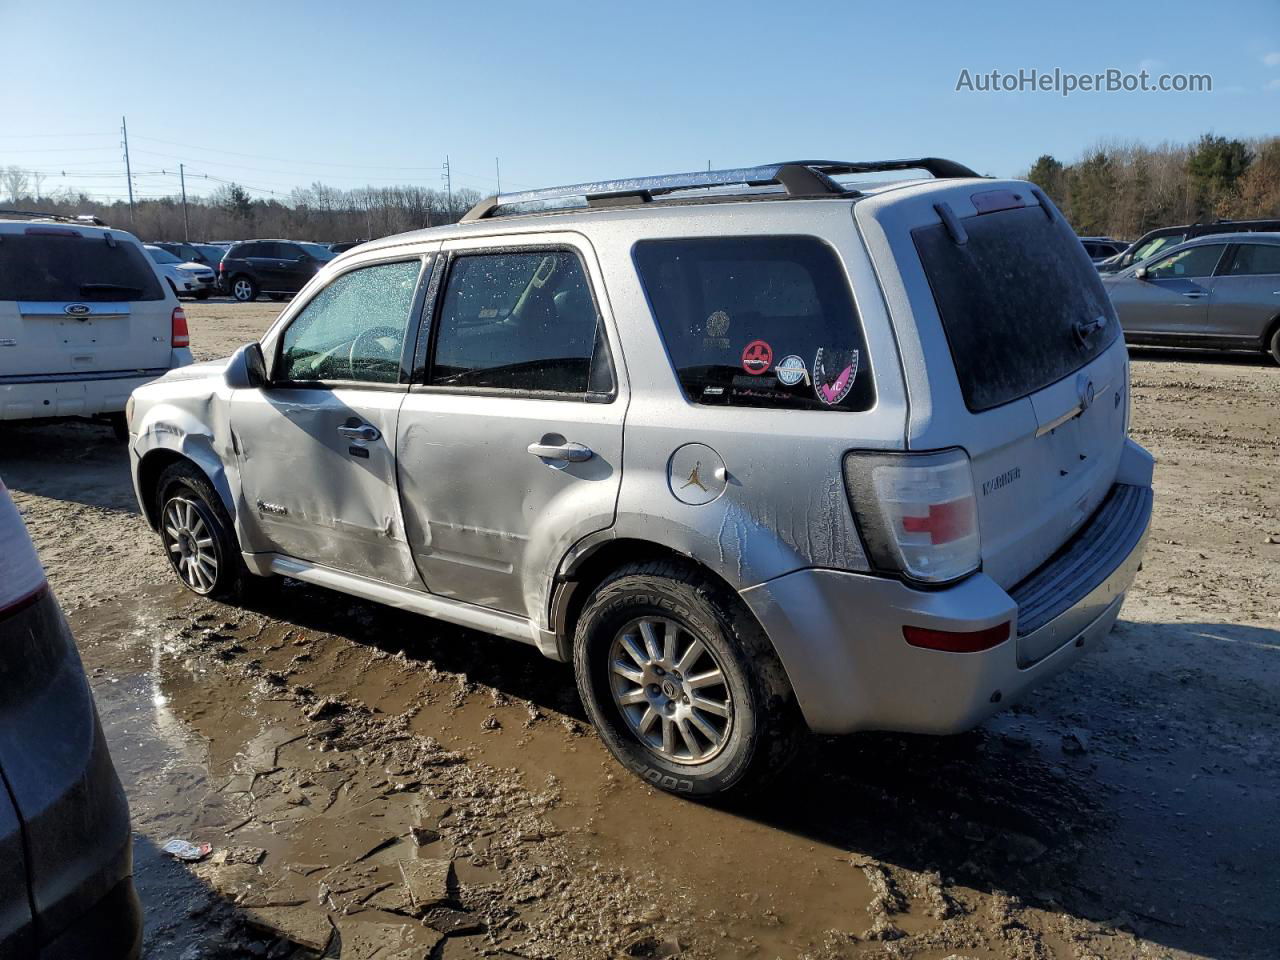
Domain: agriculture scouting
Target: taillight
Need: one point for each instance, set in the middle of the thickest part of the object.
(21, 576)
(221, 266)
(181, 337)
(917, 512)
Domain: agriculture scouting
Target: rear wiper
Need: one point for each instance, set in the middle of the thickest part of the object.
(122, 287)
(1084, 329)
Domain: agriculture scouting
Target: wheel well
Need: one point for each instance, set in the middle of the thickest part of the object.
(149, 470)
(571, 595)
(1272, 327)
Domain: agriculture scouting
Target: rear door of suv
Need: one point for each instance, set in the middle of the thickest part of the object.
(78, 300)
(1012, 351)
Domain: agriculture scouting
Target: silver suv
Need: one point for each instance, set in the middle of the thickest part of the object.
(755, 450)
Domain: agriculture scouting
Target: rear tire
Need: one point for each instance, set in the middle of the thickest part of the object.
(1274, 348)
(695, 721)
(244, 289)
(198, 536)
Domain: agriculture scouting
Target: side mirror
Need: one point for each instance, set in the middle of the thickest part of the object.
(246, 370)
(1140, 273)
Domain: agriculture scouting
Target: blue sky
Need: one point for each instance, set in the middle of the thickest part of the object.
(279, 94)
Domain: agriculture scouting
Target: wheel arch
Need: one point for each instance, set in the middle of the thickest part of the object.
(586, 571)
(154, 463)
(1269, 334)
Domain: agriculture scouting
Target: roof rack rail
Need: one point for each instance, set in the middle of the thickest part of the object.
(83, 219)
(798, 178)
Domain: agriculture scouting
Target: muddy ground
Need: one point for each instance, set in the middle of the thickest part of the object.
(327, 748)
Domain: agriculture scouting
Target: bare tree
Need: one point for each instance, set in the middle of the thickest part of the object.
(16, 183)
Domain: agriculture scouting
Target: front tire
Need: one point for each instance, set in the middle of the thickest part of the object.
(198, 535)
(681, 682)
(244, 289)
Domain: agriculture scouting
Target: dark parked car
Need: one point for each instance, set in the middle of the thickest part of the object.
(274, 267)
(345, 245)
(1100, 248)
(205, 253)
(66, 855)
(1220, 292)
(1157, 241)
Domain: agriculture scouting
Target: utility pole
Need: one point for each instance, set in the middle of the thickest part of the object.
(498, 173)
(128, 174)
(186, 226)
(448, 185)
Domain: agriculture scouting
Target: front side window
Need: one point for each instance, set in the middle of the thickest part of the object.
(758, 322)
(354, 328)
(1191, 262)
(1255, 259)
(520, 321)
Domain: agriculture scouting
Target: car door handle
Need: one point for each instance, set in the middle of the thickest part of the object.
(365, 431)
(1193, 294)
(573, 452)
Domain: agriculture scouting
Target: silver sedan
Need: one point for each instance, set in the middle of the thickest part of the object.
(1219, 292)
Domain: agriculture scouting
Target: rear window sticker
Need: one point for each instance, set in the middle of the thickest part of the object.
(833, 374)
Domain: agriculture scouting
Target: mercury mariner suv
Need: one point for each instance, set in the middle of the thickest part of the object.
(755, 450)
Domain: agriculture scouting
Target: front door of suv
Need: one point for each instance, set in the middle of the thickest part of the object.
(317, 444)
(510, 442)
(1172, 299)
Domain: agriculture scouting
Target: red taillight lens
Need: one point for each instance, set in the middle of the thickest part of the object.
(181, 336)
(221, 266)
(952, 641)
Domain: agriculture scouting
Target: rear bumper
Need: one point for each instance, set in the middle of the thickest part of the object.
(70, 804)
(840, 638)
(36, 396)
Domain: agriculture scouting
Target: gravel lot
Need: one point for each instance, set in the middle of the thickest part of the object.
(330, 749)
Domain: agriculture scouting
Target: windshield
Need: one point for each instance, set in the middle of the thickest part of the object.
(211, 253)
(1155, 245)
(162, 256)
(318, 250)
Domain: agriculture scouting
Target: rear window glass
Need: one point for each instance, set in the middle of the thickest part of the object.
(758, 322)
(1020, 306)
(59, 266)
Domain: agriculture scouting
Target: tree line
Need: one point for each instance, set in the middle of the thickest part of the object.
(318, 212)
(1116, 189)
(1125, 189)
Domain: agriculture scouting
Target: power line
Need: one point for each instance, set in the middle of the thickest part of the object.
(258, 156)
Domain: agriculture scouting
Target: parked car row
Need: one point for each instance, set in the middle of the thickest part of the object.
(244, 269)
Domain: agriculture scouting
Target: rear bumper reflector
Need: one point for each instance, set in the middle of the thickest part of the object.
(951, 641)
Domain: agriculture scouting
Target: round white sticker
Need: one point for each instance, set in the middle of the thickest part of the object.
(791, 370)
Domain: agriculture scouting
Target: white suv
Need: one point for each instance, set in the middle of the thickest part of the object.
(84, 319)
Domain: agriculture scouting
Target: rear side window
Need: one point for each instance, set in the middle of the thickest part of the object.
(523, 322)
(59, 263)
(758, 322)
(1253, 259)
(1020, 306)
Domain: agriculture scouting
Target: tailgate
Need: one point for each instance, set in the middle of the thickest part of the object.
(79, 299)
(1018, 357)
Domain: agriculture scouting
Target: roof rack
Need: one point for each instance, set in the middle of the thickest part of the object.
(83, 219)
(798, 178)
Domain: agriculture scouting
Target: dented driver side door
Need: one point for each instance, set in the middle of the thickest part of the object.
(316, 445)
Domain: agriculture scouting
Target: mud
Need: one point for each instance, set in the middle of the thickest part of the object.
(397, 787)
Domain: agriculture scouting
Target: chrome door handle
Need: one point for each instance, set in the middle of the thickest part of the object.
(366, 431)
(1193, 294)
(573, 452)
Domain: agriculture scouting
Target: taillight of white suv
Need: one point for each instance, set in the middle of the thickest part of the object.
(180, 337)
(917, 512)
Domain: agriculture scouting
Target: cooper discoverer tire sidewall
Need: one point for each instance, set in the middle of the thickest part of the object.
(762, 729)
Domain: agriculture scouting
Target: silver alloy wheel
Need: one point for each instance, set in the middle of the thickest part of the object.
(190, 544)
(670, 690)
(242, 289)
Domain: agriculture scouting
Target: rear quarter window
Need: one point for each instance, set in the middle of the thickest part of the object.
(758, 322)
(59, 264)
(1018, 303)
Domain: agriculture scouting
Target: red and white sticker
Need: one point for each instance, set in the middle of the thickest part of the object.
(757, 357)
